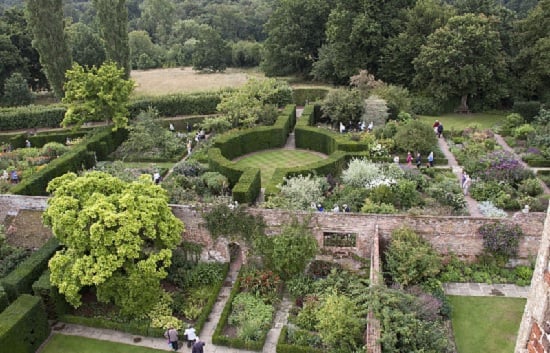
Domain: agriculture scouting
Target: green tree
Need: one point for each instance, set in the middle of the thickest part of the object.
(157, 18)
(531, 65)
(16, 91)
(97, 94)
(410, 259)
(10, 60)
(113, 22)
(343, 106)
(144, 54)
(462, 59)
(211, 52)
(85, 44)
(45, 19)
(256, 99)
(288, 253)
(295, 32)
(400, 51)
(415, 136)
(246, 54)
(117, 237)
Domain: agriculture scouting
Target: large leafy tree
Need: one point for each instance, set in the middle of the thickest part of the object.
(117, 237)
(45, 19)
(97, 94)
(399, 52)
(211, 52)
(113, 22)
(295, 34)
(157, 18)
(531, 65)
(462, 59)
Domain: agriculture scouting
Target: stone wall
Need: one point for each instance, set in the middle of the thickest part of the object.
(534, 331)
(446, 234)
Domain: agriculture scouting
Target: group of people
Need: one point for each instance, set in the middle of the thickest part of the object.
(335, 208)
(438, 128)
(418, 160)
(190, 337)
(12, 176)
(362, 127)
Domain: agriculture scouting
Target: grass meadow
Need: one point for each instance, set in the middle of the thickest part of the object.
(486, 324)
(270, 160)
(72, 344)
(454, 121)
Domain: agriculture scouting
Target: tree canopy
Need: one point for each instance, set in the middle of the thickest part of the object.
(117, 237)
(97, 94)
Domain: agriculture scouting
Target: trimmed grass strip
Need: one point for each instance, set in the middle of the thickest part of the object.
(486, 324)
(73, 344)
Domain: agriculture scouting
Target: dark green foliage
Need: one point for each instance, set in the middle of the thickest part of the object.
(10, 256)
(54, 302)
(41, 139)
(20, 280)
(23, 325)
(527, 110)
(283, 347)
(16, 91)
(233, 223)
(4, 302)
(415, 136)
(247, 189)
(83, 156)
(501, 240)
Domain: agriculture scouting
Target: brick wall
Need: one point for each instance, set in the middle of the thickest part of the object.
(534, 331)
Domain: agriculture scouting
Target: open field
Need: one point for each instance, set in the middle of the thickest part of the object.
(270, 160)
(185, 80)
(73, 344)
(486, 324)
(460, 121)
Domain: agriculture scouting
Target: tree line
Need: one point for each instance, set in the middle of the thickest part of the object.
(482, 53)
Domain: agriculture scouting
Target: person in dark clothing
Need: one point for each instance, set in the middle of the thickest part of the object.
(418, 160)
(439, 130)
(198, 346)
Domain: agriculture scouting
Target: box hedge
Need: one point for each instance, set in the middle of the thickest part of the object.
(54, 302)
(23, 325)
(246, 191)
(21, 279)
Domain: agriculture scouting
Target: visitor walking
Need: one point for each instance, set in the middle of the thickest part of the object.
(466, 185)
(418, 160)
(190, 336)
(409, 159)
(189, 147)
(439, 130)
(431, 159)
(198, 346)
(172, 335)
(172, 128)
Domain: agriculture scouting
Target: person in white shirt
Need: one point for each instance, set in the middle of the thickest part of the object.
(190, 335)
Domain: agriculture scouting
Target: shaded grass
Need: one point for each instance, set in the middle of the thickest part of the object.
(72, 344)
(270, 160)
(460, 121)
(486, 324)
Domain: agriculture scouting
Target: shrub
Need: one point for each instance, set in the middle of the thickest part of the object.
(500, 239)
(501, 166)
(530, 187)
(415, 136)
(54, 149)
(251, 316)
(511, 122)
(16, 91)
(378, 208)
(488, 209)
(299, 192)
(410, 259)
(528, 110)
(524, 131)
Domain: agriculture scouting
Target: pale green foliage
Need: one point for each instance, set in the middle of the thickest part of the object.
(298, 193)
(118, 237)
(244, 106)
(343, 106)
(340, 325)
(217, 124)
(96, 94)
(364, 173)
(251, 316)
(410, 259)
(288, 253)
(161, 314)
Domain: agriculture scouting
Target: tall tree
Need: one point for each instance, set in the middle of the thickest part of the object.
(113, 21)
(399, 52)
(117, 237)
(45, 19)
(86, 46)
(531, 65)
(97, 94)
(157, 18)
(211, 53)
(10, 60)
(296, 31)
(462, 59)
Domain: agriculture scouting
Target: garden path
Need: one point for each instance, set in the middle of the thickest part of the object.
(509, 149)
(457, 170)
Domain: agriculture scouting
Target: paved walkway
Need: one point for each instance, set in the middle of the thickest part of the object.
(486, 290)
(473, 209)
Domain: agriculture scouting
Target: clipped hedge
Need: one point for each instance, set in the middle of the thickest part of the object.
(537, 163)
(248, 187)
(31, 116)
(4, 302)
(301, 96)
(283, 347)
(202, 103)
(20, 280)
(54, 302)
(205, 313)
(23, 325)
(218, 163)
(83, 156)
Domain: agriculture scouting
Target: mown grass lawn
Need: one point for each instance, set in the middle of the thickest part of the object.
(461, 121)
(270, 160)
(73, 344)
(486, 324)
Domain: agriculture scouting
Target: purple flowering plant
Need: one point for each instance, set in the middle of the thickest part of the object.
(501, 166)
